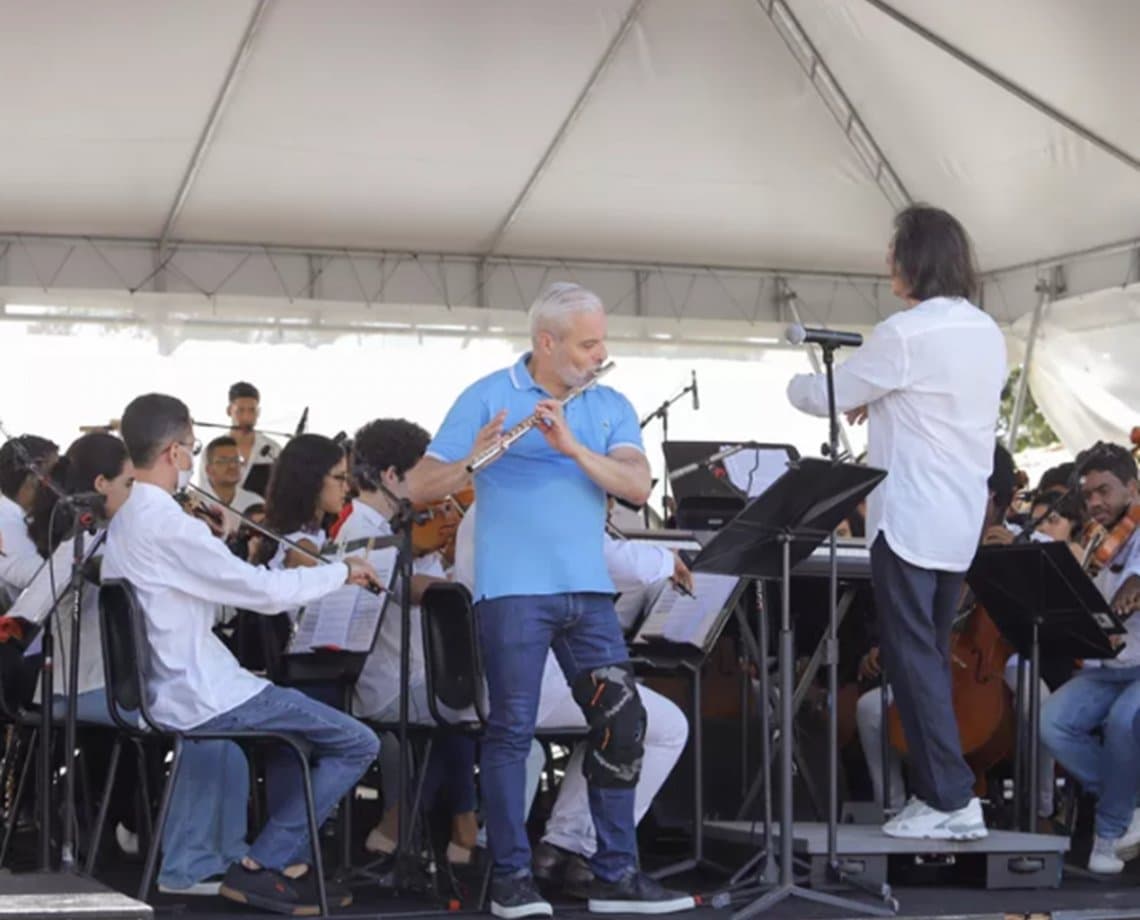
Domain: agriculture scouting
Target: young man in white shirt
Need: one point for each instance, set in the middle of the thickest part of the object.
(929, 380)
(181, 575)
(20, 562)
(256, 449)
(222, 466)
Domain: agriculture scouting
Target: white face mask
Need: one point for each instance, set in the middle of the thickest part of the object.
(184, 477)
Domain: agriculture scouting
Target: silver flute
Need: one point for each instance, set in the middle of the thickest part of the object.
(509, 437)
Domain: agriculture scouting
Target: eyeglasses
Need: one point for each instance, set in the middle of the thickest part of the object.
(195, 446)
(226, 461)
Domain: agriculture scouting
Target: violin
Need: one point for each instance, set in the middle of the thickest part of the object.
(1102, 544)
(195, 507)
(438, 523)
(983, 704)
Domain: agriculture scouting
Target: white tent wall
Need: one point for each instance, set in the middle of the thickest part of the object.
(1083, 370)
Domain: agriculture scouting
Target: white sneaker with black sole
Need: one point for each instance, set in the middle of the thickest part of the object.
(919, 821)
(513, 897)
(636, 893)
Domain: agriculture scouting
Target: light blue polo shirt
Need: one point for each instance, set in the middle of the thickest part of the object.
(541, 519)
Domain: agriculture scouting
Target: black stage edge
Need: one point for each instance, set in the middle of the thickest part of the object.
(62, 896)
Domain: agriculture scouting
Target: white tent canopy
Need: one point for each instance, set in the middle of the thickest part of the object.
(364, 163)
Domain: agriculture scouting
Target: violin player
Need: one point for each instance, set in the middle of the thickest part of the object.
(181, 575)
(383, 452)
(1106, 696)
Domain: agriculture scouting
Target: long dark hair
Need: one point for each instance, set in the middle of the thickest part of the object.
(88, 458)
(296, 482)
(932, 255)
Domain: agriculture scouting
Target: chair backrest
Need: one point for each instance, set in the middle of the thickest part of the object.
(453, 662)
(126, 653)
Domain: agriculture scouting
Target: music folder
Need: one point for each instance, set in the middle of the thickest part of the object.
(694, 620)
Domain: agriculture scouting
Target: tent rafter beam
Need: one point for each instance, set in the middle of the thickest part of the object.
(837, 102)
(1014, 89)
(237, 63)
(564, 128)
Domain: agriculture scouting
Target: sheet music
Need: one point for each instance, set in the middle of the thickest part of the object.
(676, 617)
(752, 471)
(347, 618)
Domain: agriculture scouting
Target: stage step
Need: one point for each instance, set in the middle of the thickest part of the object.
(1013, 859)
(61, 896)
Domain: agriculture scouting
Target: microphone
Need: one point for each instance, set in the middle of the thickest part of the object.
(796, 334)
(709, 460)
(693, 387)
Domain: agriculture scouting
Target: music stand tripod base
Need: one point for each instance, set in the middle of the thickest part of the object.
(775, 531)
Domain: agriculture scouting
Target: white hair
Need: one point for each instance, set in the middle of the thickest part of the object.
(559, 301)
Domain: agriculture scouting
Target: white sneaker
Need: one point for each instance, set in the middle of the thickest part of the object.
(128, 841)
(913, 805)
(1128, 846)
(1103, 859)
(206, 887)
(378, 843)
(925, 823)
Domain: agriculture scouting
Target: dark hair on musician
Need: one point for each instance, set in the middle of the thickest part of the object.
(1069, 505)
(1108, 458)
(89, 457)
(291, 501)
(1056, 479)
(224, 441)
(150, 423)
(243, 390)
(13, 466)
(1003, 480)
(384, 443)
(931, 254)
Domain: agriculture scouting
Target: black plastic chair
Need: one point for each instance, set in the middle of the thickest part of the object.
(126, 662)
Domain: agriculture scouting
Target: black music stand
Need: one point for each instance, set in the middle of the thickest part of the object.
(1041, 599)
(775, 531)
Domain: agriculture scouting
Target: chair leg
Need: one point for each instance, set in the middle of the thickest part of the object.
(160, 822)
(314, 828)
(104, 805)
(146, 824)
(21, 785)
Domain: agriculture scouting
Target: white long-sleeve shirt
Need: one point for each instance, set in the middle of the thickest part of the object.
(20, 562)
(182, 574)
(36, 601)
(379, 683)
(931, 378)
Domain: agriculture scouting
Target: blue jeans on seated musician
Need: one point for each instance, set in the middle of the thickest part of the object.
(516, 633)
(340, 751)
(1109, 699)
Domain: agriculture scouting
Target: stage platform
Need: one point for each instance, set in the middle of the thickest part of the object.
(1007, 859)
(1074, 900)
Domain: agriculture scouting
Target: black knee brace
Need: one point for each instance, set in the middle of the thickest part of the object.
(613, 710)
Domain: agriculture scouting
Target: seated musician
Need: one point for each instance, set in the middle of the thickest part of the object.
(1106, 696)
(181, 574)
(223, 477)
(1002, 485)
(383, 451)
(20, 561)
(569, 840)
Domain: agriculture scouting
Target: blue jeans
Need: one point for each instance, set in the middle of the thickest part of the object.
(1109, 699)
(516, 633)
(340, 751)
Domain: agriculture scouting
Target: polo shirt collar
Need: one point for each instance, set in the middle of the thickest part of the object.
(520, 375)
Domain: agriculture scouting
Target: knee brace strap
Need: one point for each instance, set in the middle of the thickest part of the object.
(616, 717)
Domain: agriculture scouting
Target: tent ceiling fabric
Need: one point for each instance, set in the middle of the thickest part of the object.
(414, 125)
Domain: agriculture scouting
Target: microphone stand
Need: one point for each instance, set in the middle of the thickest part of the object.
(83, 517)
(831, 659)
(662, 412)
